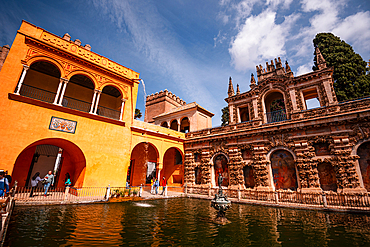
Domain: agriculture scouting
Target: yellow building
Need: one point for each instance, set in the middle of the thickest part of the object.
(68, 109)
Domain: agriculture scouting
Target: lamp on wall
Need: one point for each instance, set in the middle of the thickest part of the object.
(36, 157)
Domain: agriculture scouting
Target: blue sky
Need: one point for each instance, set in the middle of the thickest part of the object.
(192, 47)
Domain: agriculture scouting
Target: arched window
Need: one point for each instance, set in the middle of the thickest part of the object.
(174, 125)
(283, 170)
(275, 107)
(164, 124)
(41, 82)
(110, 103)
(185, 125)
(79, 93)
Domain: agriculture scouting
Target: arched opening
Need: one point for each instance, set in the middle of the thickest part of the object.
(185, 125)
(79, 93)
(198, 175)
(42, 156)
(328, 180)
(174, 125)
(283, 170)
(244, 114)
(364, 162)
(143, 165)
(275, 107)
(248, 177)
(41, 82)
(164, 124)
(110, 103)
(172, 167)
(221, 167)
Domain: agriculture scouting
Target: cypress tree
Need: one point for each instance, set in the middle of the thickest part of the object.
(350, 78)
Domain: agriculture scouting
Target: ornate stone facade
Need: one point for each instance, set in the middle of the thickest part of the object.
(288, 145)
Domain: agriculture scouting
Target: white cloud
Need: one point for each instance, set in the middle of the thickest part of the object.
(259, 39)
(304, 69)
(355, 30)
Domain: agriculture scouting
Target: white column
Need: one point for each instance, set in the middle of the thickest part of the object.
(93, 102)
(57, 161)
(63, 91)
(24, 72)
(61, 80)
(97, 102)
(122, 108)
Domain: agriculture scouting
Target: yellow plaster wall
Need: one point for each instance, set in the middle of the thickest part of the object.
(106, 146)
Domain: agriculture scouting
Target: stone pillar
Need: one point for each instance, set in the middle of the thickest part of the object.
(255, 107)
(61, 81)
(93, 102)
(328, 91)
(231, 114)
(97, 102)
(122, 108)
(24, 72)
(63, 91)
(293, 99)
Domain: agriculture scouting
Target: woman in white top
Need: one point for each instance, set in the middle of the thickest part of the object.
(34, 181)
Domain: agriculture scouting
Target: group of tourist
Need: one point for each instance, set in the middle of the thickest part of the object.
(47, 181)
(5, 180)
(154, 184)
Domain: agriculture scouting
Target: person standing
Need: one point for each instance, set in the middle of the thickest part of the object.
(34, 182)
(152, 186)
(48, 180)
(4, 184)
(67, 181)
(164, 184)
(156, 185)
(7, 176)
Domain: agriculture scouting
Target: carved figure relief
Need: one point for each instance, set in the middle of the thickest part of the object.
(221, 167)
(283, 169)
(364, 152)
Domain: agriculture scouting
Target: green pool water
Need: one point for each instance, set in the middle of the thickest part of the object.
(182, 222)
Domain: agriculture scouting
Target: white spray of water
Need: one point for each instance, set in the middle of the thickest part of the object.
(144, 91)
(143, 205)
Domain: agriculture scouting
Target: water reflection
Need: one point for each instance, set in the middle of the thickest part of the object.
(182, 222)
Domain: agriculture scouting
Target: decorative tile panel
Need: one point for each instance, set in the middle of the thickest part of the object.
(63, 125)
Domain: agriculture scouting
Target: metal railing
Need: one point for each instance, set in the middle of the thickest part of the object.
(68, 102)
(326, 200)
(37, 93)
(76, 104)
(276, 116)
(28, 194)
(109, 113)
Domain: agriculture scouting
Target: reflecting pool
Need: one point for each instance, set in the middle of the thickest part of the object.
(182, 222)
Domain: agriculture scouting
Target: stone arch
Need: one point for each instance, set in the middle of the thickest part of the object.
(274, 105)
(173, 169)
(72, 161)
(143, 164)
(283, 169)
(363, 151)
(220, 163)
(174, 125)
(84, 73)
(164, 124)
(79, 92)
(185, 125)
(41, 58)
(41, 81)
(110, 102)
